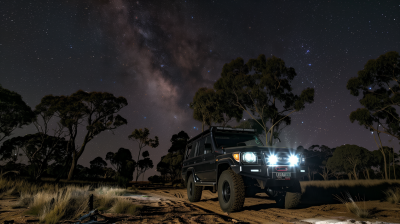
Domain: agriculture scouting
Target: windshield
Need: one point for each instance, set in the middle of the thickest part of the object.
(236, 139)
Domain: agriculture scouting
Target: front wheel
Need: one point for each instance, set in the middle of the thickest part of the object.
(193, 192)
(293, 196)
(231, 191)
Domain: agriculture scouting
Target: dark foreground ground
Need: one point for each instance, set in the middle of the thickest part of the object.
(172, 206)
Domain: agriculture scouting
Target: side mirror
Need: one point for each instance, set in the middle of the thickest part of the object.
(220, 151)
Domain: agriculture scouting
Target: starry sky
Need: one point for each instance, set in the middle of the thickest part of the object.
(157, 54)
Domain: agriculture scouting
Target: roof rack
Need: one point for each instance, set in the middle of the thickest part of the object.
(235, 129)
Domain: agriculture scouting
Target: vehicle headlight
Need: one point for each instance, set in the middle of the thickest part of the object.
(249, 157)
(294, 160)
(272, 159)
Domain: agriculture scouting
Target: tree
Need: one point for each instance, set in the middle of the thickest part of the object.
(142, 138)
(145, 163)
(204, 107)
(252, 124)
(96, 110)
(379, 83)
(97, 166)
(39, 150)
(14, 113)
(321, 155)
(124, 164)
(226, 111)
(349, 158)
(263, 91)
(171, 164)
(179, 142)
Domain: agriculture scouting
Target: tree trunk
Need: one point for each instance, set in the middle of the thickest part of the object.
(73, 165)
(349, 174)
(394, 167)
(384, 162)
(355, 173)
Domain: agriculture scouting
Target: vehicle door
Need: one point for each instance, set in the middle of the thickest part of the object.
(195, 160)
(209, 160)
(200, 163)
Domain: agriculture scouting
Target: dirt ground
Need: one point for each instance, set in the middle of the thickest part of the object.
(261, 209)
(172, 206)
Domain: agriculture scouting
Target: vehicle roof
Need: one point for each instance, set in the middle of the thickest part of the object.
(215, 128)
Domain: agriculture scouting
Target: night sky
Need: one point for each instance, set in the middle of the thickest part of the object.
(157, 54)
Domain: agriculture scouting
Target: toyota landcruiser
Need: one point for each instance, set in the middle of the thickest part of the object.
(235, 163)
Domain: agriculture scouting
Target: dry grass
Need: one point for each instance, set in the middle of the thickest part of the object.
(125, 206)
(53, 203)
(344, 183)
(353, 207)
(393, 195)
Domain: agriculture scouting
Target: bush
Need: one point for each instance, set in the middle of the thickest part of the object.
(122, 181)
(155, 179)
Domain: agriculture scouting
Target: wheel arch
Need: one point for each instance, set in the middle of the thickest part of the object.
(221, 167)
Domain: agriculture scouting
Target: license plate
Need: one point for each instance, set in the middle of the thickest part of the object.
(283, 174)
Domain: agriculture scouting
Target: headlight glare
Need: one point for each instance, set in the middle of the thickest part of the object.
(272, 159)
(249, 157)
(293, 159)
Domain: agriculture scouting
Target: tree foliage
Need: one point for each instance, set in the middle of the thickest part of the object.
(96, 110)
(170, 165)
(350, 159)
(124, 164)
(380, 87)
(262, 88)
(179, 142)
(142, 138)
(14, 112)
(40, 151)
(97, 166)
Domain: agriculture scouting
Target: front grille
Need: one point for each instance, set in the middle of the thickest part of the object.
(283, 159)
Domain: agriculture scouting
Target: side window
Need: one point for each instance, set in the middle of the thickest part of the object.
(189, 152)
(196, 149)
(201, 147)
(207, 145)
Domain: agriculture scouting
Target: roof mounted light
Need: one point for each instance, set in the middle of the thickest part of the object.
(235, 129)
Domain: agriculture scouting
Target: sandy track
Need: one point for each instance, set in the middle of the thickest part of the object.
(261, 209)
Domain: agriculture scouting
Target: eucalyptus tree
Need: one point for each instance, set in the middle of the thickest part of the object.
(40, 151)
(14, 112)
(142, 138)
(96, 111)
(204, 107)
(124, 165)
(262, 87)
(350, 159)
(144, 164)
(379, 83)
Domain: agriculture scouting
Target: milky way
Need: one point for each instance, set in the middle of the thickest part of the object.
(158, 53)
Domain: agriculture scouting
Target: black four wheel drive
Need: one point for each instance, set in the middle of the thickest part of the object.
(235, 163)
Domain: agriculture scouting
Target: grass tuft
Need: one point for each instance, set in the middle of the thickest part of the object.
(393, 195)
(125, 206)
(353, 207)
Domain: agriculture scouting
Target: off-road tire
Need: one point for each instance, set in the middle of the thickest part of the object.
(236, 191)
(293, 196)
(194, 195)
